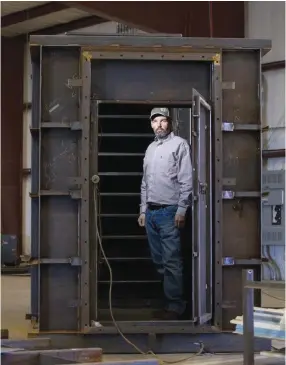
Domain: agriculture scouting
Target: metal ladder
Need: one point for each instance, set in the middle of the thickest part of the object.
(122, 140)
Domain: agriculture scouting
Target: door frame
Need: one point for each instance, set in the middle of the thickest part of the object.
(215, 101)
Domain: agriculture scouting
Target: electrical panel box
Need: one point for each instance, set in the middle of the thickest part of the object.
(273, 208)
(9, 245)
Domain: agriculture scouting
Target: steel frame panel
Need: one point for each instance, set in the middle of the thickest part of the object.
(164, 343)
(85, 201)
(64, 348)
(217, 201)
(150, 41)
(241, 107)
(47, 356)
(35, 183)
(167, 47)
(216, 99)
(56, 143)
(162, 56)
(85, 165)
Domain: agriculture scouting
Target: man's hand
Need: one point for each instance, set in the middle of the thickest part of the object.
(179, 221)
(141, 220)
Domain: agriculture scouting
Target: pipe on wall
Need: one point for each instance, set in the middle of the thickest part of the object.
(271, 66)
(273, 153)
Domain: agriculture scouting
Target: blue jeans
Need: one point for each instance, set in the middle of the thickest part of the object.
(165, 246)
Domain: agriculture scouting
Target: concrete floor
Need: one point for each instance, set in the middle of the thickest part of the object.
(15, 303)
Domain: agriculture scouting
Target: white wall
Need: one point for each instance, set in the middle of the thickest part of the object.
(266, 20)
(274, 116)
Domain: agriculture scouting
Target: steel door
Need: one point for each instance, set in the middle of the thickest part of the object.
(194, 125)
(202, 208)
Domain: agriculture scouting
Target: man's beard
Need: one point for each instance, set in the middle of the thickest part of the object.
(161, 133)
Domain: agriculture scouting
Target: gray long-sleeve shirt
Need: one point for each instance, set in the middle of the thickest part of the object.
(167, 174)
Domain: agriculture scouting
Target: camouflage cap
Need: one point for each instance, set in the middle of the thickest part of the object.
(164, 112)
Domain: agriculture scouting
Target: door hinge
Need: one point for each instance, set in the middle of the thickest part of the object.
(231, 127)
(229, 194)
(232, 261)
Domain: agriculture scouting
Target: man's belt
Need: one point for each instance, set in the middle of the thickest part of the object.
(153, 206)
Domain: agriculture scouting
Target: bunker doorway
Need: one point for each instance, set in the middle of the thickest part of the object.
(123, 132)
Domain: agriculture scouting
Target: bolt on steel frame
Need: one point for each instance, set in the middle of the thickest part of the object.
(66, 187)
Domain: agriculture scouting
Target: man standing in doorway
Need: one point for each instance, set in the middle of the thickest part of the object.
(165, 196)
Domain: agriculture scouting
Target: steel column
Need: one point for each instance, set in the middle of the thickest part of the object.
(85, 201)
(217, 201)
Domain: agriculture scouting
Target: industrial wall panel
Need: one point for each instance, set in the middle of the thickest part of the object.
(241, 229)
(59, 100)
(55, 210)
(59, 222)
(114, 79)
(241, 169)
(59, 309)
(59, 155)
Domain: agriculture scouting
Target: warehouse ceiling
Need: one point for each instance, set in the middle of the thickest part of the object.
(43, 17)
(195, 18)
(221, 19)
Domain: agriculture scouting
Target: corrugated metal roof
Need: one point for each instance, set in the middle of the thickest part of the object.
(46, 21)
(9, 7)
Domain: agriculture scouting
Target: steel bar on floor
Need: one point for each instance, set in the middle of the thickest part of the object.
(248, 319)
(249, 285)
(27, 344)
(162, 343)
(128, 362)
(51, 357)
